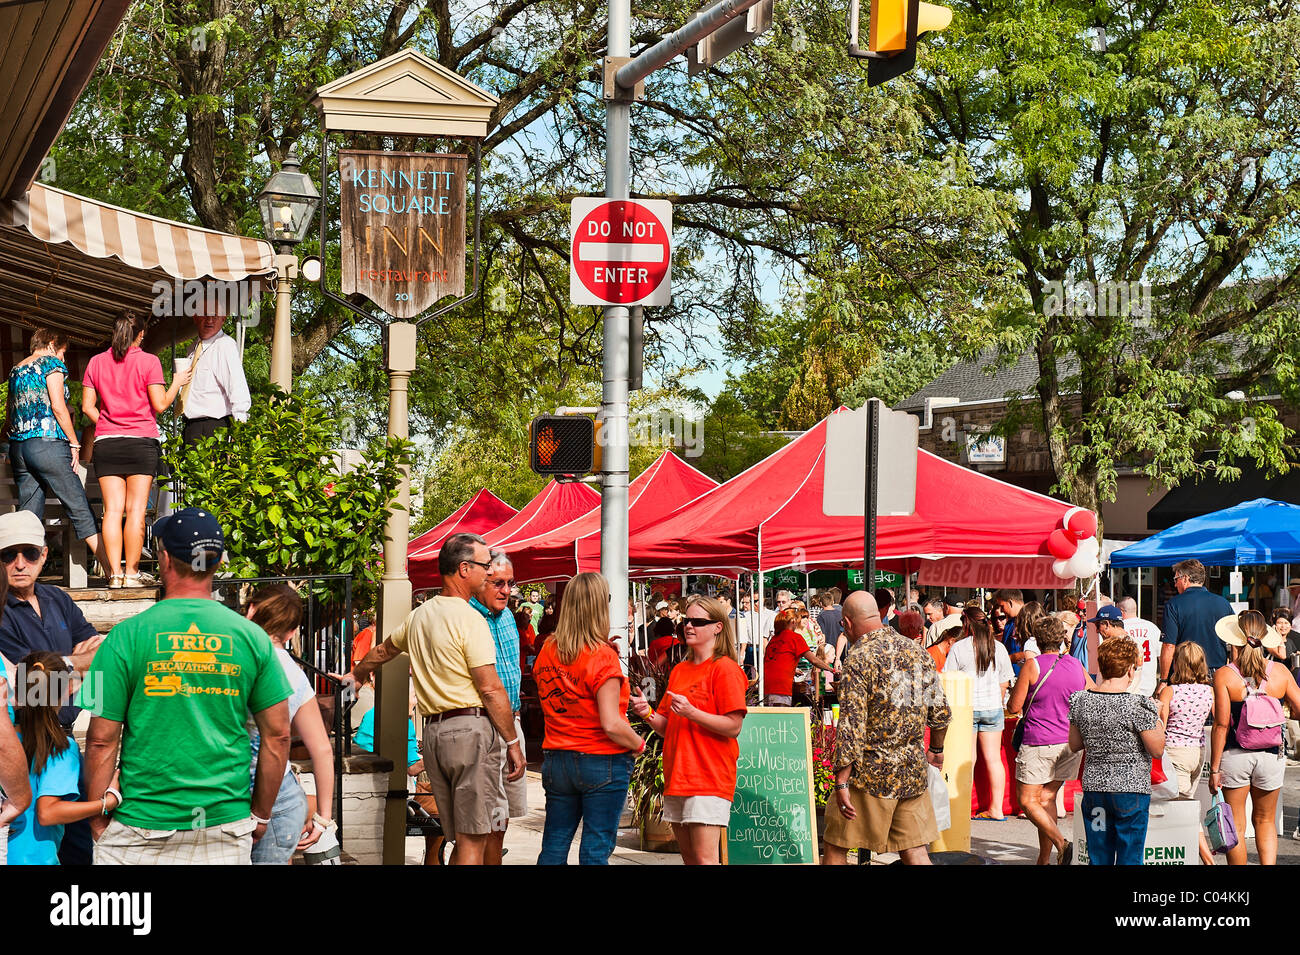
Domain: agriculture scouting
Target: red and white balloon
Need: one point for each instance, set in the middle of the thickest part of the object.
(1075, 545)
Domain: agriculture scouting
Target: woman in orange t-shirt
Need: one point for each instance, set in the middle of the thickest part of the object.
(700, 718)
(589, 745)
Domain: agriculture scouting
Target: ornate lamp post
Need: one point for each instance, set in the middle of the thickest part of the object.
(287, 202)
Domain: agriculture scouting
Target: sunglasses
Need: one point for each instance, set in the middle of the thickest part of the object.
(502, 584)
(30, 554)
(699, 621)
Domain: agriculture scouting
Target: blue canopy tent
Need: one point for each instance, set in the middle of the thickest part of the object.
(1262, 531)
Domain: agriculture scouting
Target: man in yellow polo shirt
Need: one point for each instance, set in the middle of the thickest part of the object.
(460, 696)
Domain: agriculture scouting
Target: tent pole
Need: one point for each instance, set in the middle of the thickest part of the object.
(758, 650)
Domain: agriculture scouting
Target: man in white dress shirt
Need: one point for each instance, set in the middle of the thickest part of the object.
(218, 391)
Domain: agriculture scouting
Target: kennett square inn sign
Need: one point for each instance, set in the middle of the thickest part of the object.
(402, 219)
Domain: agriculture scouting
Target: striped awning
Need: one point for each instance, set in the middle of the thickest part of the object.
(73, 263)
(140, 241)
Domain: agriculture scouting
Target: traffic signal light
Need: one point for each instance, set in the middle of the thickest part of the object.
(562, 444)
(892, 30)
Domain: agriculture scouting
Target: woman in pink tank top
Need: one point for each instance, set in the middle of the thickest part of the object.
(123, 392)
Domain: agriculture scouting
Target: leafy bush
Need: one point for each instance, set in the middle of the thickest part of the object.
(286, 507)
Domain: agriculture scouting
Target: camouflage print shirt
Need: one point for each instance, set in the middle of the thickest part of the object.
(889, 692)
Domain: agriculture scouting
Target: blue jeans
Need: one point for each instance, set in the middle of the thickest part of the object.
(43, 468)
(1116, 827)
(288, 816)
(580, 787)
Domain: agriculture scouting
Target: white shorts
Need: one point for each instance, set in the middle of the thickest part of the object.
(698, 810)
(1243, 767)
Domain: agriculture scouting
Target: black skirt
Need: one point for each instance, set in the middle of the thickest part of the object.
(123, 457)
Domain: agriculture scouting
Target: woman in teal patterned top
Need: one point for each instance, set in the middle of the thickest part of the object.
(43, 443)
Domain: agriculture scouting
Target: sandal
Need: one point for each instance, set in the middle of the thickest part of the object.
(1065, 856)
(986, 816)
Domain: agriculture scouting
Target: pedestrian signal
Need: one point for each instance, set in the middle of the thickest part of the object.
(892, 30)
(562, 444)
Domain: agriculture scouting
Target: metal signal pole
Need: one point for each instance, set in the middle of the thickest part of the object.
(617, 348)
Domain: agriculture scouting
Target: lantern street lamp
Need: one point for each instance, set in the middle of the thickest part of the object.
(287, 202)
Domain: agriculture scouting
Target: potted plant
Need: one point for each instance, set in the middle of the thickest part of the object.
(646, 787)
(823, 770)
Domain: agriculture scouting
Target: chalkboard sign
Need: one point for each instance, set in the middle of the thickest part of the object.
(774, 815)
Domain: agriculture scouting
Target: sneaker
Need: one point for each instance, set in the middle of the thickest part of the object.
(142, 579)
(1296, 834)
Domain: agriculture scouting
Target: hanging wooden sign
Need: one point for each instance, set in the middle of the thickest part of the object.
(403, 228)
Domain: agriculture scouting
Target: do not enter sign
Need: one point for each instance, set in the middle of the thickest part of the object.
(621, 252)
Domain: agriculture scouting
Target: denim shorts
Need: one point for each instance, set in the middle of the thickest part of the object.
(288, 816)
(988, 721)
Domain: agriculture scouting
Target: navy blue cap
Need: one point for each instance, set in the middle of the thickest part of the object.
(1109, 613)
(192, 535)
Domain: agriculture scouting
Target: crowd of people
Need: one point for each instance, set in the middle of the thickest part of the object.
(123, 391)
(146, 788)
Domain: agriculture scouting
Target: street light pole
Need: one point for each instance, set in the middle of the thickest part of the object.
(617, 346)
(286, 270)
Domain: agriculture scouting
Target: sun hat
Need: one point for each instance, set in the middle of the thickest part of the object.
(1229, 630)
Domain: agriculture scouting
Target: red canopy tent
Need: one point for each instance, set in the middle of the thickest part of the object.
(555, 505)
(480, 514)
(575, 547)
(771, 516)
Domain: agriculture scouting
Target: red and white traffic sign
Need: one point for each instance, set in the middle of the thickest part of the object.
(621, 253)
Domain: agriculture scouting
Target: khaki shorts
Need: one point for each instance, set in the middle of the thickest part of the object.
(511, 799)
(1243, 767)
(697, 810)
(464, 773)
(228, 844)
(882, 825)
(1040, 765)
(1187, 762)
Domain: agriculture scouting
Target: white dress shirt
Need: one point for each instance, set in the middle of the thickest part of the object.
(219, 387)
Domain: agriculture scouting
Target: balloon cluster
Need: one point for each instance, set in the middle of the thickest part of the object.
(1075, 546)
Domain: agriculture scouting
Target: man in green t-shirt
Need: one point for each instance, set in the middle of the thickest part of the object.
(174, 685)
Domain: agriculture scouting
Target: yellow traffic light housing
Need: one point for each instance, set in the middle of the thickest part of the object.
(892, 29)
(562, 445)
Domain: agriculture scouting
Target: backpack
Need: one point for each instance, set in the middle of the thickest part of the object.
(1260, 724)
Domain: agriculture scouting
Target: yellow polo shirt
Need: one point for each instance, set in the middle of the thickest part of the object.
(446, 638)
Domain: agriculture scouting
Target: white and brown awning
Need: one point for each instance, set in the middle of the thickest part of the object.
(76, 263)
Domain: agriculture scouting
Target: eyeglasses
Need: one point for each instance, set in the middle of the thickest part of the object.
(30, 554)
(699, 621)
(500, 584)
(485, 564)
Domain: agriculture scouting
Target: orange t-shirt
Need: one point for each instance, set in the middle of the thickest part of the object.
(696, 761)
(362, 644)
(939, 654)
(568, 695)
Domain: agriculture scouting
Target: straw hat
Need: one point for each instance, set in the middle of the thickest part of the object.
(1229, 631)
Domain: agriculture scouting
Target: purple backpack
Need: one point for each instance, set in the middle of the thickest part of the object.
(1260, 723)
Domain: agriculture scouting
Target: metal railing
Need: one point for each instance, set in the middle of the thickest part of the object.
(324, 646)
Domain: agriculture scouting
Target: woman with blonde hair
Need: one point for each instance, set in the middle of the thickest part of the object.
(1242, 760)
(589, 745)
(700, 718)
(1185, 702)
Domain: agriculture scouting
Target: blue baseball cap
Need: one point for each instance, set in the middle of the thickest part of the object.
(192, 535)
(1109, 613)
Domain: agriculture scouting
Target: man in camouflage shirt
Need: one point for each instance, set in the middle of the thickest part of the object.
(889, 692)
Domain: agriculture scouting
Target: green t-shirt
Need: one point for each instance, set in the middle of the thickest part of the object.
(182, 677)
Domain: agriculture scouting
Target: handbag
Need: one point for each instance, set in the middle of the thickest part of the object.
(1018, 734)
(1220, 829)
